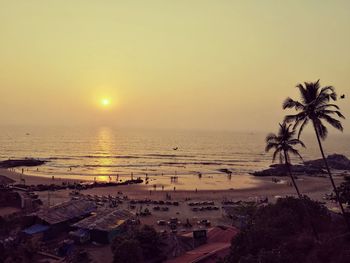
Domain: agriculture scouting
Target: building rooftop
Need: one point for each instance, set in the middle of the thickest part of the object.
(218, 245)
(66, 211)
(105, 220)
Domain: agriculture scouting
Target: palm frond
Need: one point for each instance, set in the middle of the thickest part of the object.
(325, 106)
(270, 146)
(326, 89)
(340, 115)
(333, 122)
(321, 129)
(296, 153)
(283, 142)
(296, 142)
(271, 137)
(303, 92)
(316, 107)
(294, 118)
(278, 151)
(305, 122)
(290, 103)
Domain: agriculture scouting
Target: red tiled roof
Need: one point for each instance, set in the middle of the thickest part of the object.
(217, 234)
(218, 244)
(200, 253)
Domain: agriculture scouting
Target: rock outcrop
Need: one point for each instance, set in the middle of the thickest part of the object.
(21, 162)
(335, 161)
(313, 168)
(281, 170)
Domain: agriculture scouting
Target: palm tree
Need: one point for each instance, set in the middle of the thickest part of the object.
(284, 143)
(316, 107)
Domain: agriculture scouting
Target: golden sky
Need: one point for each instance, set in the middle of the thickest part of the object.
(167, 64)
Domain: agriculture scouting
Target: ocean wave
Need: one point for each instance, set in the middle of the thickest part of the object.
(111, 156)
(168, 155)
(117, 165)
(192, 163)
(60, 158)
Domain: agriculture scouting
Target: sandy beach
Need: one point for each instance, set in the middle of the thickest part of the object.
(314, 187)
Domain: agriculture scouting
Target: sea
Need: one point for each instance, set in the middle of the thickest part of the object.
(181, 159)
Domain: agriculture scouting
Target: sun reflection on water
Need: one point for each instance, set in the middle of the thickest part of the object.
(104, 148)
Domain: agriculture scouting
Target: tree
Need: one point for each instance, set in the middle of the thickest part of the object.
(280, 233)
(127, 251)
(344, 190)
(149, 241)
(140, 242)
(284, 143)
(315, 107)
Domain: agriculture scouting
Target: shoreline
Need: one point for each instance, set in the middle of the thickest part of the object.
(34, 180)
(314, 187)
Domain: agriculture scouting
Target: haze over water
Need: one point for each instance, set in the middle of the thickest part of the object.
(86, 153)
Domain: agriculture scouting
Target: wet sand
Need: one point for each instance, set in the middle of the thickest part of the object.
(314, 187)
(31, 179)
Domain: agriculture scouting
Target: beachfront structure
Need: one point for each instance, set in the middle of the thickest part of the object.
(13, 201)
(60, 217)
(36, 232)
(9, 198)
(217, 245)
(105, 225)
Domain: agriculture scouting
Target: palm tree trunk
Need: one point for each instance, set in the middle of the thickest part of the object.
(300, 196)
(291, 175)
(330, 176)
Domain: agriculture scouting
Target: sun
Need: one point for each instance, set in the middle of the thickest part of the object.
(105, 102)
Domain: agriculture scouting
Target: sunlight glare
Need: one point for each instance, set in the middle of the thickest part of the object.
(105, 102)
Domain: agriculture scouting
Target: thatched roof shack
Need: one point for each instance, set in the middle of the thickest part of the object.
(66, 212)
(105, 224)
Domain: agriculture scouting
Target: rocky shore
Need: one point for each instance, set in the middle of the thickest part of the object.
(75, 186)
(312, 168)
(21, 162)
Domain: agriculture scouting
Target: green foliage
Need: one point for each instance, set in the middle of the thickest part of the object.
(149, 241)
(280, 232)
(127, 251)
(144, 242)
(344, 191)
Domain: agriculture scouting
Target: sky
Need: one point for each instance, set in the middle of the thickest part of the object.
(214, 65)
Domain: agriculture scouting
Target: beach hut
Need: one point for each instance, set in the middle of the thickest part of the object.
(105, 225)
(60, 217)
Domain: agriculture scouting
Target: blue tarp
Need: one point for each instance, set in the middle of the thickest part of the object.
(34, 229)
(80, 233)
